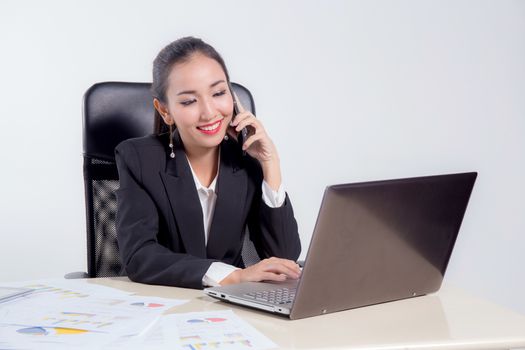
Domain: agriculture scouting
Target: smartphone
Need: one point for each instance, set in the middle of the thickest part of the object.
(243, 134)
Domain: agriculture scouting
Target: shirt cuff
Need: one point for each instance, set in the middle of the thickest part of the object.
(273, 199)
(216, 273)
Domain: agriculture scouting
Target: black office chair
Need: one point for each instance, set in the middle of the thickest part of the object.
(113, 112)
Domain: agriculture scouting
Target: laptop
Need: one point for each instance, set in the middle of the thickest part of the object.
(373, 242)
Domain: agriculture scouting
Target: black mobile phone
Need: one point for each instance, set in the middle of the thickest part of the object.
(243, 134)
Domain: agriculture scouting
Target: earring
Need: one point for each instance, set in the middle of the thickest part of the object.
(172, 154)
(225, 136)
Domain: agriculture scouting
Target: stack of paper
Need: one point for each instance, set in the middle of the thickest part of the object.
(215, 330)
(56, 315)
(65, 314)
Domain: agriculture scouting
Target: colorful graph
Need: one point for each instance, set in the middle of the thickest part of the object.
(80, 320)
(148, 305)
(33, 331)
(190, 338)
(40, 331)
(61, 292)
(206, 320)
(217, 344)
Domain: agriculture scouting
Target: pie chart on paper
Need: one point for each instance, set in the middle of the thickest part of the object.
(148, 305)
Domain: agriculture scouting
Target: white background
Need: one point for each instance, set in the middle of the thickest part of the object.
(364, 90)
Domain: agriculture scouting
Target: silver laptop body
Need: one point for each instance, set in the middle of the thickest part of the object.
(373, 242)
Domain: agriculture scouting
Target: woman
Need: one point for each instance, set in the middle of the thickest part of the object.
(188, 196)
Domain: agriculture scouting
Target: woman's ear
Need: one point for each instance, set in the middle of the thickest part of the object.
(163, 111)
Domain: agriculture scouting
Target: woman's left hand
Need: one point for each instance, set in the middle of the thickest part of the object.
(258, 144)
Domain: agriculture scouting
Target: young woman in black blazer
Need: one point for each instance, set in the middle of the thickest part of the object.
(188, 195)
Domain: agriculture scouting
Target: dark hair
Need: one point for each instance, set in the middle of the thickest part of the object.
(178, 51)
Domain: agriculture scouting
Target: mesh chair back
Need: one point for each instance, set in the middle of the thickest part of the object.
(113, 112)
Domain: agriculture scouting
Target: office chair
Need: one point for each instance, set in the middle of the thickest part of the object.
(113, 112)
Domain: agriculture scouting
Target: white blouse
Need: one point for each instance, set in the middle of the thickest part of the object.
(207, 195)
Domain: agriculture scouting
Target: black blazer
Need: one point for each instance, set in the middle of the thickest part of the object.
(159, 223)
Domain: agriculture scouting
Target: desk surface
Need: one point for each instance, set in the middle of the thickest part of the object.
(449, 319)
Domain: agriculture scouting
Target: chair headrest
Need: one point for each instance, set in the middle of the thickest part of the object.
(116, 111)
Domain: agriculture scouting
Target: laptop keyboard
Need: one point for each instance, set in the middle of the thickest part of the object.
(277, 296)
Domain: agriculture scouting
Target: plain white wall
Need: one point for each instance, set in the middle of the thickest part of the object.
(364, 90)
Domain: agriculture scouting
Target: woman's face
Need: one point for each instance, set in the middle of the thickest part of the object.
(199, 101)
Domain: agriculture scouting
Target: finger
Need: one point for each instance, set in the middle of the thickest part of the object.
(281, 269)
(265, 269)
(289, 263)
(240, 117)
(250, 140)
(240, 107)
(250, 120)
(231, 133)
(268, 276)
(293, 265)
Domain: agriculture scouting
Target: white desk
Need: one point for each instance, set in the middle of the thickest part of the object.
(449, 319)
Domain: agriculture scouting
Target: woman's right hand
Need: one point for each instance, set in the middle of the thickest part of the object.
(271, 269)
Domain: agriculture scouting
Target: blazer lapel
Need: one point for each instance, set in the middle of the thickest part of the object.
(184, 200)
(227, 223)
